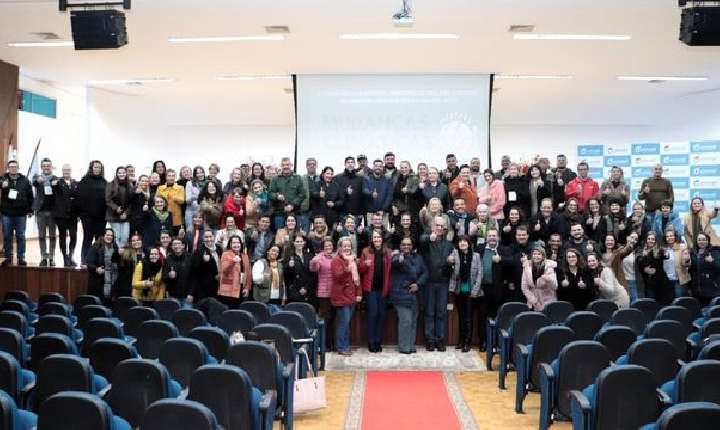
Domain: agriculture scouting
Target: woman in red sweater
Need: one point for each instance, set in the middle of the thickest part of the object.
(375, 270)
(346, 291)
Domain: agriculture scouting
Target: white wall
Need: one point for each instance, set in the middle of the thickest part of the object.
(126, 129)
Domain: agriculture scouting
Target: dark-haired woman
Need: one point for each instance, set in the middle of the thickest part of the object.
(235, 274)
(130, 256)
(374, 265)
(211, 204)
(140, 204)
(575, 283)
(650, 262)
(465, 283)
(205, 269)
(91, 205)
(161, 170)
(328, 197)
(299, 280)
(704, 269)
(118, 198)
(102, 259)
(147, 280)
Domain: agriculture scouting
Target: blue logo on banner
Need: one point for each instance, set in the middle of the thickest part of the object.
(595, 172)
(705, 171)
(706, 194)
(675, 160)
(642, 171)
(590, 150)
(645, 148)
(707, 146)
(679, 182)
(617, 160)
(681, 206)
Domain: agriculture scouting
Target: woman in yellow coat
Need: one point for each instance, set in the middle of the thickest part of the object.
(147, 284)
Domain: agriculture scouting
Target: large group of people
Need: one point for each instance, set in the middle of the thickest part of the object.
(373, 235)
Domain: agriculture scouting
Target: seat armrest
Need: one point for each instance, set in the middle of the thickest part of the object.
(504, 334)
(492, 322)
(664, 399)
(547, 370)
(104, 391)
(268, 404)
(288, 371)
(27, 389)
(582, 401)
(523, 350)
(303, 341)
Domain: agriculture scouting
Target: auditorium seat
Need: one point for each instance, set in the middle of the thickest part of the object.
(106, 354)
(71, 410)
(259, 310)
(302, 338)
(691, 304)
(121, 304)
(18, 306)
(85, 300)
(236, 320)
(263, 365)
(622, 397)
(709, 328)
(133, 317)
(182, 356)
(16, 321)
(315, 324)
(604, 308)
(98, 328)
(58, 324)
(213, 385)
(711, 351)
(545, 347)
(171, 414)
(577, 366)
(671, 331)
(14, 418)
(617, 339)
(521, 332)
(151, 334)
(648, 306)
(137, 383)
(187, 319)
(166, 308)
(657, 355)
(14, 344)
(21, 296)
(685, 416)
(677, 313)
(505, 316)
(558, 311)
(48, 344)
(635, 319)
(585, 324)
(14, 380)
(215, 340)
(697, 381)
(88, 312)
(64, 372)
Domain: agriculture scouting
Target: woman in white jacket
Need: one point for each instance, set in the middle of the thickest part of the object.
(606, 284)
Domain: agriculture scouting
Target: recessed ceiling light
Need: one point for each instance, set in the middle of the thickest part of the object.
(521, 28)
(253, 78)
(130, 81)
(397, 36)
(277, 29)
(533, 76)
(43, 44)
(251, 38)
(663, 78)
(535, 36)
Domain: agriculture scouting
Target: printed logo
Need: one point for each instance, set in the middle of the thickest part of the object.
(645, 160)
(705, 158)
(675, 160)
(711, 182)
(674, 148)
(645, 148)
(706, 194)
(706, 171)
(617, 160)
(705, 146)
(590, 150)
(679, 182)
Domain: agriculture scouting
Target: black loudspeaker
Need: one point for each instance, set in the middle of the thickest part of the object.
(700, 26)
(98, 29)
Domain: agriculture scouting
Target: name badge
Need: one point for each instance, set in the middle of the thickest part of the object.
(512, 195)
(481, 240)
(48, 190)
(12, 194)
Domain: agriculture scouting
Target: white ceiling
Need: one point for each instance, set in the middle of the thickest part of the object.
(594, 97)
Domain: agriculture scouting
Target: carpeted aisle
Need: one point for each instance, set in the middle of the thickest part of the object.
(407, 400)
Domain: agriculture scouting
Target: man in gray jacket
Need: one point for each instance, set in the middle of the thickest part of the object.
(437, 252)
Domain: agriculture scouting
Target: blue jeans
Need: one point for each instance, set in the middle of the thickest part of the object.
(436, 300)
(377, 307)
(122, 233)
(632, 285)
(303, 221)
(17, 225)
(407, 327)
(679, 290)
(279, 221)
(342, 336)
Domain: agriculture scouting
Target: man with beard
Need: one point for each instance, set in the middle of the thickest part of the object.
(476, 176)
(362, 168)
(462, 188)
(309, 182)
(579, 241)
(390, 171)
(497, 260)
(351, 183)
(562, 175)
(451, 171)
(504, 163)
(286, 192)
(459, 219)
(545, 223)
(521, 252)
(378, 192)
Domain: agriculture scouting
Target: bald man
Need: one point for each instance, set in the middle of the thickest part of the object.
(654, 190)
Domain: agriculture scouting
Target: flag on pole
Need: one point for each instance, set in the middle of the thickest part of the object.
(34, 163)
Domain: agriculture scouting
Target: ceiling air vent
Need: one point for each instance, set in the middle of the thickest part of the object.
(277, 29)
(521, 28)
(46, 35)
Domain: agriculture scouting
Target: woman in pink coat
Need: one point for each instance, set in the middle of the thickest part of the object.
(322, 265)
(492, 194)
(539, 282)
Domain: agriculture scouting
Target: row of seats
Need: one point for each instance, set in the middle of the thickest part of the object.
(105, 344)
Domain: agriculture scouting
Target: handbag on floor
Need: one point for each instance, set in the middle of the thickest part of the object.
(309, 392)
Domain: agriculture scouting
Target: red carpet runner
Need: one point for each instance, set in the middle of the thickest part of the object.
(407, 401)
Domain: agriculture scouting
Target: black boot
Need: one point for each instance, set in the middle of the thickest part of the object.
(371, 347)
(460, 345)
(466, 346)
(378, 348)
(440, 347)
(429, 346)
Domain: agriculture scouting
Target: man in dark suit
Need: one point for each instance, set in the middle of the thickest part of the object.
(497, 261)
